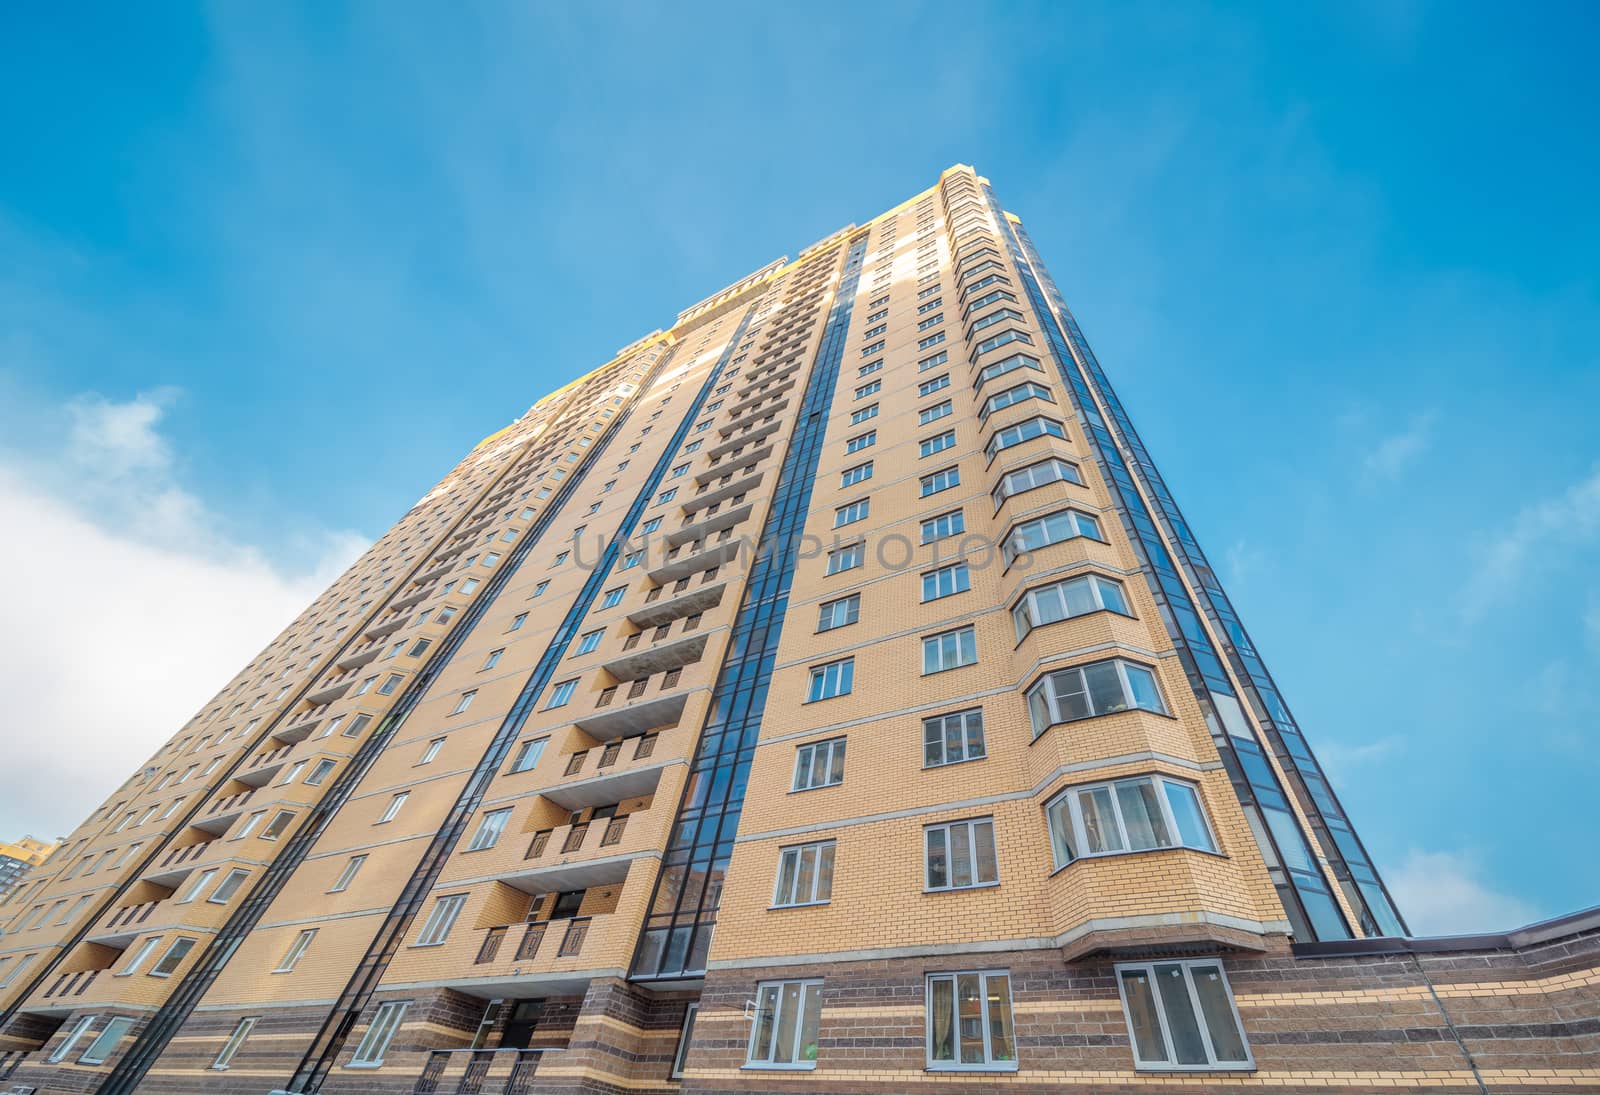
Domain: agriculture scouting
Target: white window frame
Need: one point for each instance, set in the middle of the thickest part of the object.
(843, 677)
(434, 746)
(110, 1035)
(1192, 998)
(972, 827)
(520, 762)
(490, 825)
(685, 1036)
(201, 881)
(347, 874)
(296, 951)
(960, 581)
(989, 1063)
(801, 879)
(561, 693)
(943, 526)
(1065, 810)
(155, 970)
(806, 987)
(218, 896)
(79, 1029)
(832, 752)
(230, 1048)
(851, 512)
(441, 919)
(845, 558)
(936, 645)
(1011, 548)
(392, 810)
(944, 738)
(140, 957)
(386, 1022)
(1043, 692)
(1025, 613)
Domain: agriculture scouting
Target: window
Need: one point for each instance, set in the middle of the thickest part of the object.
(934, 413)
(393, 809)
(960, 855)
(320, 772)
(613, 597)
(1004, 338)
(946, 581)
(931, 341)
(874, 332)
(173, 958)
(869, 368)
(101, 1047)
(1052, 528)
(931, 321)
(1011, 396)
(140, 956)
(943, 479)
(492, 660)
(933, 361)
(969, 1021)
(937, 443)
(538, 591)
(228, 887)
(999, 315)
(951, 739)
(560, 558)
(861, 441)
(1181, 1015)
(1072, 597)
(833, 679)
(1026, 430)
(528, 754)
(561, 694)
(784, 1033)
(296, 949)
(859, 416)
(200, 882)
(846, 558)
(590, 640)
(852, 512)
(876, 347)
(1004, 366)
(441, 918)
(235, 1040)
(805, 875)
(469, 584)
(517, 621)
(294, 772)
(846, 610)
(369, 1054)
(490, 826)
(352, 867)
(1127, 815)
(949, 650)
(277, 825)
(666, 496)
(1035, 475)
(192, 890)
(820, 764)
(651, 525)
(679, 471)
(79, 1029)
(250, 824)
(1100, 688)
(631, 560)
(930, 305)
(869, 388)
(357, 724)
(944, 526)
(858, 474)
(490, 559)
(685, 1036)
(928, 387)
(464, 702)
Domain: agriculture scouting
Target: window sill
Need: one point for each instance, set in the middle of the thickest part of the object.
(1000, 1067)
(799, 905)
(964, 889)
(1184, 1069)
(803, 1066)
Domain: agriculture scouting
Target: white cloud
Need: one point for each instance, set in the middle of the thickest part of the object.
(1340, 760)
(1389, 457)
(128, 611)
(1571, 517)
(1443, 893)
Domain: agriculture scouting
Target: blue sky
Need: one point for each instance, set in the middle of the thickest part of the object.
(269, 270)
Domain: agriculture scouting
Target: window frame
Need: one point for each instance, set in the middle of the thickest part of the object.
(989, 1063)
(441, 920)
(944, 738)
(1197, 1011)
(230, 1048)
(1067, 804)
(388, 1019)
(805, 763)
(828, 620)
(797, 1061)
(1053, 704)
(796, 854)
(971, 826)
(819, 673)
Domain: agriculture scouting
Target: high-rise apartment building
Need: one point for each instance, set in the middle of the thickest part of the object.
(16, 860)
(823, 695)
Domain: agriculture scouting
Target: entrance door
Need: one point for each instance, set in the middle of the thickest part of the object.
(525, 1015)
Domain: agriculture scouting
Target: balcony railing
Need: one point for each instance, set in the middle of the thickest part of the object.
(186, 853)
(478, 1072)
(575, 837)
(71, 984)
(128, 917)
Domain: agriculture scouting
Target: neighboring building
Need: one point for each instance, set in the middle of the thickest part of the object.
(16, 860)
(968, 773)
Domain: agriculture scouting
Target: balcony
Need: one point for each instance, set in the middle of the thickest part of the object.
(359, 658)
(300, 726)
(691, 603)
(69, 985)
(707, 522)
(629, 718)
(749, 399)
(734, 460)
(387, 626)
(681, 563)
(434, 572)
(735, 487)
(606, 782)
(330, 690)
(479, 1072)
(262, 767)
(639, 661)
(415, 597)
(750, 437)
(171, 868)
(548, 864)
(121, 925)
(222, 813)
